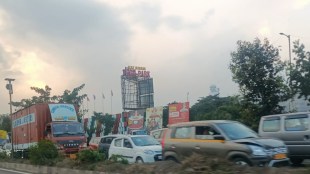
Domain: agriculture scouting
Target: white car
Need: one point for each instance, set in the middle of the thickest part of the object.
(137, 148)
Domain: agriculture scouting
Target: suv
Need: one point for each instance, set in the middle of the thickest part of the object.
(293, 129)
(222, 138)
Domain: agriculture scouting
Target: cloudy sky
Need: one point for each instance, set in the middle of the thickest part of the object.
(186, 45)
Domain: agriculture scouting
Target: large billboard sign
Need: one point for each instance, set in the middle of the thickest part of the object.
(154, 118)
(178, 112)
(136, 120)
(136, 71)
(63, 112)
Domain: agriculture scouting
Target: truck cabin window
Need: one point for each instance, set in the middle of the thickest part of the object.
(67, 129)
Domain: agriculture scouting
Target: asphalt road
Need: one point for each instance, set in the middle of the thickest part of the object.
(6, 171)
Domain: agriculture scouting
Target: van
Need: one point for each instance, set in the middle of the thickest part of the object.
(293, 129)
(226, 139)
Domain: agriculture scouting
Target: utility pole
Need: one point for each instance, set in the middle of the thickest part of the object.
(290, 65)
(10, 88)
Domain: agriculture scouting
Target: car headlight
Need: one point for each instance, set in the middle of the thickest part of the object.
(257, 150)
(148, 152)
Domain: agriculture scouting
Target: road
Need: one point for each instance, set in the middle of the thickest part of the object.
(6, 171)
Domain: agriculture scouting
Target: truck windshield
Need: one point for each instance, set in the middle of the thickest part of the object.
(67, 129)
(237, 131)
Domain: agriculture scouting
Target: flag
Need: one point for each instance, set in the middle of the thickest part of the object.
(111, 93)
(103, 96)
(94, 97)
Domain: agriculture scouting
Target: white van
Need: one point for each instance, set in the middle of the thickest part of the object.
(136, 148)
(293, 129)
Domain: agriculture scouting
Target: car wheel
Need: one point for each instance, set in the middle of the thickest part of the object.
(171, 159)
(139, 160)
(241, 162)
(296, 161)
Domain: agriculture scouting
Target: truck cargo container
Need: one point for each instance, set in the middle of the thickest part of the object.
(55, 122)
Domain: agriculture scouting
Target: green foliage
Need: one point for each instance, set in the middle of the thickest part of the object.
(5, 122)
(106, 120)
(216, 108)
(118, 158)
(44, 153)
(4, 155)
(90, 156)
(300, 74)
(257, 68)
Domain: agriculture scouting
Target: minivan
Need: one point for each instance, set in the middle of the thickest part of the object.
(293, 129)
(226, 139)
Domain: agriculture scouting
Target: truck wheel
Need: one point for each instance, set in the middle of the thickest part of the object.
(296, 161)
(241, 162)
(139, 160)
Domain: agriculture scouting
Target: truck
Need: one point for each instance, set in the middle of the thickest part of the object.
(56, 122)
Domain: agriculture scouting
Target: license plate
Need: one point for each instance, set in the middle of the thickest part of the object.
(160, 157)
(279, 156)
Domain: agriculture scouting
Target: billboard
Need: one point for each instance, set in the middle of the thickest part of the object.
(63, 112)
(136, 120)
(178, 112)
(154, 118)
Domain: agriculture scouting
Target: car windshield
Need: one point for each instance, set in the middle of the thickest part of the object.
(144, 141)
(237, 131)
(67, 129)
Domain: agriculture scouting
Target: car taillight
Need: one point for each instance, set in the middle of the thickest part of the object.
(163, 140)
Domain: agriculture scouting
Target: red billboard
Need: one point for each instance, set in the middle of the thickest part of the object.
(136, 120)
(178, 112)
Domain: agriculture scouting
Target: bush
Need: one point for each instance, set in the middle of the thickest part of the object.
(89, 156)
(44, 153)
(4, 155)
(118, 158)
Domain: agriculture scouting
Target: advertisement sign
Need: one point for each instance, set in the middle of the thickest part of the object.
(3, 134)
(135, 120)
(135, 71)
(63, 112)
(178, 112)
(154, 118)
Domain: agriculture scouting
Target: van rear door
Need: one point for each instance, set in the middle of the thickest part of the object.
(296, 134)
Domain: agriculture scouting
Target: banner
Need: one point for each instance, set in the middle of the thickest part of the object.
(136, 120)
(154, 118)
(178, 113)
(63, 112)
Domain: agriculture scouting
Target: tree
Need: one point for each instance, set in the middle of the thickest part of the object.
(5, 122)
(300, 72)
(216, 108)
(257, 68)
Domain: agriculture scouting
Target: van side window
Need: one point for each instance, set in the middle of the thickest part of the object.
(271, 124)
(205, 132)
(182, 132)
(299, 123)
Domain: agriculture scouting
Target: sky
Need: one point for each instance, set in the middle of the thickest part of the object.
(186, 45)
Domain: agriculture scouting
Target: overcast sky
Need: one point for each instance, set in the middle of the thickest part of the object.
(185, 45)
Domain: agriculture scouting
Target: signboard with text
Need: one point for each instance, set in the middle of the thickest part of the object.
(178, 113)
(63, 112)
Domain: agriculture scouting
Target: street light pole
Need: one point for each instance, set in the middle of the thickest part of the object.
(289, 51)
(290, 64)
(10, 88)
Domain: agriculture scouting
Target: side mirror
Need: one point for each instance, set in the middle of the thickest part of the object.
(218, 137)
